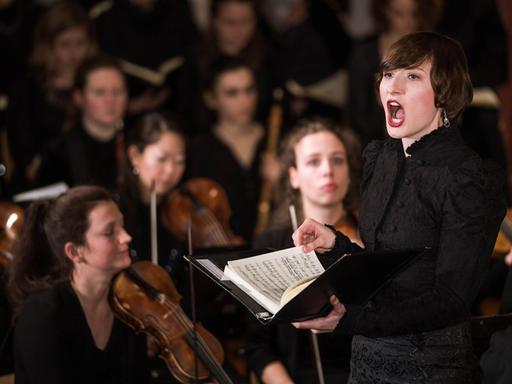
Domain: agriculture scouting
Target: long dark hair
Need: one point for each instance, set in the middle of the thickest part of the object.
(40, 260)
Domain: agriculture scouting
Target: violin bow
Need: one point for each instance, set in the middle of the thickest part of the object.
(153, 224)
(314, 338)
(192, 293)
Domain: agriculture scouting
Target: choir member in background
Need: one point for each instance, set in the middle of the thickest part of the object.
(321, 165)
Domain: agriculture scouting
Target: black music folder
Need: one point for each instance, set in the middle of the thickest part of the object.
(352, 277)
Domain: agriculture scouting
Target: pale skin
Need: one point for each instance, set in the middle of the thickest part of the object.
(234, 25)
(234, 98)
(162, 162)
(411, 89)
(508, 259)
(104, 253)
(321, 173)
(322, 176)
(102, 102)
(69, 49)
(402, 20)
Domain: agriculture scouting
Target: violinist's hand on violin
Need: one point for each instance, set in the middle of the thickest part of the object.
(314, 236)
(327, 323)
(152, 346)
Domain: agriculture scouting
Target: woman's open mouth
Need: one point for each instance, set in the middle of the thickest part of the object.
(396, 114)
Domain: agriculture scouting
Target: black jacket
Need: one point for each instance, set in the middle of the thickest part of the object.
(442, 196)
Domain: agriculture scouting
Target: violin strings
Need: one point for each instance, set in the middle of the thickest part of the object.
(217, 229)
(184, 320)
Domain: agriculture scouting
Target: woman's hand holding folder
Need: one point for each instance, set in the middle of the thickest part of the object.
(312, 235)
(327, 323)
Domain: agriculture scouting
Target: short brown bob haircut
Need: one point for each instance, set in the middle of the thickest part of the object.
(449, 75)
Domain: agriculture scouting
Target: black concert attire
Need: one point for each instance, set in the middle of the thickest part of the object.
(477, 25)
(506, 298)
(301, 54)
(210, 157)
(35, 118)
(495, 362)
(291, 346)
(91, 161)
(442, 196)
(16, 21)
(53, 344)
(365, 113)
(6, 358)
(137, 223)
(148, 43)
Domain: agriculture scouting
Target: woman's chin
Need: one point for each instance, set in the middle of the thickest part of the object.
(394, 132)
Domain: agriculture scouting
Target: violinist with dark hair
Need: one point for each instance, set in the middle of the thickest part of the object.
(65, 329)
(155, 151)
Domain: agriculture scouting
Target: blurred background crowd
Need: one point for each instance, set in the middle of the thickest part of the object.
(140, 95)
(322, 54)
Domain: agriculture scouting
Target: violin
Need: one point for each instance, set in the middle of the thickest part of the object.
(11, 222)
(504, 240)
(348, 227)
(144, 297)
(206, 203)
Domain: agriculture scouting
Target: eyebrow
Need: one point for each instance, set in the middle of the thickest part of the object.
(338, 152)
(416, 68)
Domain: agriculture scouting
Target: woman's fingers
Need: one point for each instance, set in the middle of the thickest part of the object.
(327, 323)
(313, 235)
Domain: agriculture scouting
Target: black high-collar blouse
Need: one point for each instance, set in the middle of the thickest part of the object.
(442, 196)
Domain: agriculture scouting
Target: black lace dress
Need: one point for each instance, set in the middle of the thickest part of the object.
(441, 196)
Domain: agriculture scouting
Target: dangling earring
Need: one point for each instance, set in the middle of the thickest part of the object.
(446, 121)
(135, 171)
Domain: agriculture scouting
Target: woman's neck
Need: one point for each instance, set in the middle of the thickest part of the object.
(63, 80)
(145, 196)
(92, 291)
(99, 132)
(234, 130)
(324, 214)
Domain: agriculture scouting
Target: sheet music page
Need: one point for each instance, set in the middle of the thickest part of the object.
(267, 276)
